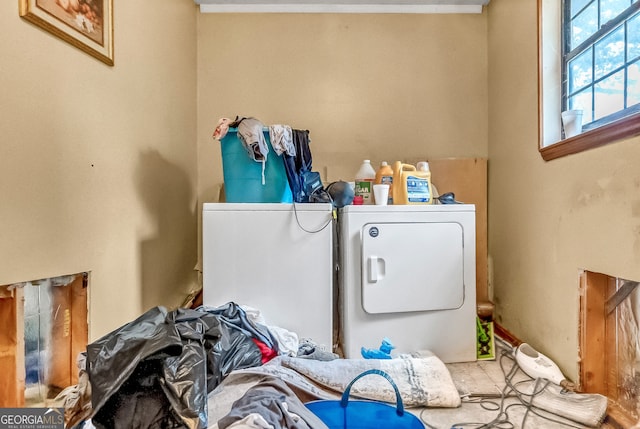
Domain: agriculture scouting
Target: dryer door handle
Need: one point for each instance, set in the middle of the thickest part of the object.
(375, 269)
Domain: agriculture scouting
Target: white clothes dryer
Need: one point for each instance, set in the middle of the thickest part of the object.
(407, 273)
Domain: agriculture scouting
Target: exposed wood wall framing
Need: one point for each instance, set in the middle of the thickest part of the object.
(67, 337)
(593, 333)
(69, 333)
(608, 331)
(11, 347)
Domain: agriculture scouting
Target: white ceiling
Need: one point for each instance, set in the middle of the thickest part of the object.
(342, 6)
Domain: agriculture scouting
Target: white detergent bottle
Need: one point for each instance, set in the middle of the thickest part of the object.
(364, 182)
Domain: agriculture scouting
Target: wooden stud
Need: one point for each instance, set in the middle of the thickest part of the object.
(593, 333)
(12, 376)
(79, 321)
(610, 353)
(69, 333)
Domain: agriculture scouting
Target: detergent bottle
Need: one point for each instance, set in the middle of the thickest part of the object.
(384, 176)
(364, 179)
(410, 185)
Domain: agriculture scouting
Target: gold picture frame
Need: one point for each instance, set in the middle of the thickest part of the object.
(85, 24)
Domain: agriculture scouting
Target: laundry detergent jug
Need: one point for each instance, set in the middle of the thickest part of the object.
(384, 176)
(410, 185)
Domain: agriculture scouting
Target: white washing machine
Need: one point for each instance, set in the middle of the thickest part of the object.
(276, 258)
(407, 273)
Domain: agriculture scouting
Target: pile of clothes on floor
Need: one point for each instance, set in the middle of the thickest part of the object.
(218, 368)
(156, 371)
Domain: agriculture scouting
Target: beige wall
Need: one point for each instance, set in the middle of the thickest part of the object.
(549, 220)
(382, 87)
(99, 163)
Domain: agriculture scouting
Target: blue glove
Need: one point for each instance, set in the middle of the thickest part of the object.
(384, 352)
(374, 354)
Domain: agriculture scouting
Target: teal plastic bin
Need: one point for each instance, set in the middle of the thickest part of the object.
(243, 175)
(363, 414)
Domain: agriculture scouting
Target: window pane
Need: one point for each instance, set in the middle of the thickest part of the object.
(584, 25)
(609, 95)
(582, 100)
(633, 84)
(609, 9)
(610, 53)
(580, 71)
(577, 5)
(633, 37)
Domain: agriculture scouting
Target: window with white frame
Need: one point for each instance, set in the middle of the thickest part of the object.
(601, 59)
(589, 59)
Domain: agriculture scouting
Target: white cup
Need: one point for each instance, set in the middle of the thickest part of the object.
(572, 122)
(381, 194)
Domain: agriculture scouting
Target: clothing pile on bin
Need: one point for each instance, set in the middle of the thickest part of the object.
(156, 371)
(290, 143)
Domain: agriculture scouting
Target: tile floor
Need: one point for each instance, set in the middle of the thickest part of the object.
(485, 382)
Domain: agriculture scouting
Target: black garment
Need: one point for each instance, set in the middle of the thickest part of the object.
(156, 371)
(296, 166)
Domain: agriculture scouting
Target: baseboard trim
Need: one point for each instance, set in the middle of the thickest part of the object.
(500, 331)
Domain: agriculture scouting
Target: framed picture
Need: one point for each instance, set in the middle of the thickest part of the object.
(85, 24)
